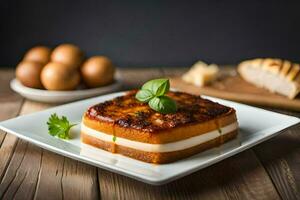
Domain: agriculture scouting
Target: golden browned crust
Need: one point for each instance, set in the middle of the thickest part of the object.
(127, 118)
(166, 136)
(153, 157)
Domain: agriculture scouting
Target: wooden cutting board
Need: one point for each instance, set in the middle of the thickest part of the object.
(233, 87)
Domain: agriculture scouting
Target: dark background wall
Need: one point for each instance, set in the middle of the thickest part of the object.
(154, 33)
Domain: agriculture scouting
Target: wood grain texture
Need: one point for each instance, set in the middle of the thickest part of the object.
(268, 171)
(50, 177)
(63, 178)
(281, 158)
(71, 179)
(21, 177)
(22, 172)
(79, 180)
(10, 106)
(239, 177)
(6, 151)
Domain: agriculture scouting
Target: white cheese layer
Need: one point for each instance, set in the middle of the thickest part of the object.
(167, 147)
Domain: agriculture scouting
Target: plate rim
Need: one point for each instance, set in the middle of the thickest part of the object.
(141, 177)
(17, 86)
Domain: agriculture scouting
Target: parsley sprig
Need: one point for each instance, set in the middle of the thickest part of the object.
(153, 92)
(59, 127)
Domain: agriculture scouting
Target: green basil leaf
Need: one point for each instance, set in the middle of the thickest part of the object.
(163, 104)
(154, 103)
(144, 95)
(158, 87)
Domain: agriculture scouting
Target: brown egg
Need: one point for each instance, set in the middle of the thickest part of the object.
(28, 73)
(38, 54)
(97, 71)
(67, 54)
(57, 76)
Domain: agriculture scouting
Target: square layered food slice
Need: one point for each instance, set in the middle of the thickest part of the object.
(126, 126)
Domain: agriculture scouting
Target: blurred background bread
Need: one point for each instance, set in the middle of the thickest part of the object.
(39, 54)
(97, 71)
(67, 54)
(28, 73)
(58, 76)
(63, 68)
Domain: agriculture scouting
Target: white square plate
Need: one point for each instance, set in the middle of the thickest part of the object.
(256, 125)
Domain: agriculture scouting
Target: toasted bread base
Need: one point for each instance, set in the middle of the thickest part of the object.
(153, 157)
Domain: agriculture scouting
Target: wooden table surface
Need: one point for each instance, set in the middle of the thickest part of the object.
(270, 170)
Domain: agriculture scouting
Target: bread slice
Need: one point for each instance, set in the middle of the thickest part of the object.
(126, 126)
(276, 75)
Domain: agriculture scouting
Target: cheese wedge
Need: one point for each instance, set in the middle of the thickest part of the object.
(201, 74)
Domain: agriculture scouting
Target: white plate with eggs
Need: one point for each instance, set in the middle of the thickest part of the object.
(49, 96)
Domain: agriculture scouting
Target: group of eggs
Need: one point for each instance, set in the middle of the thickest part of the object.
(63, 68)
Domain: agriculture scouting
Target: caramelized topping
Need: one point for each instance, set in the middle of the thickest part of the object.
(128, 112)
